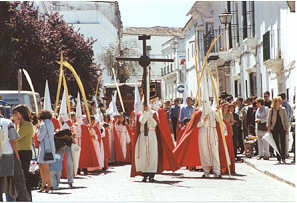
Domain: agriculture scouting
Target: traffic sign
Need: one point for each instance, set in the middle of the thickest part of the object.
(180, 88)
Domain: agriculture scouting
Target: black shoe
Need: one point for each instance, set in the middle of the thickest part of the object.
(284, 161)
(205, 175)
(151, 180)
(144, 179)
(42, 189)
(49, 190)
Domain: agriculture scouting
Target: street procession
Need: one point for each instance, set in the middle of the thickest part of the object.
(172, 100)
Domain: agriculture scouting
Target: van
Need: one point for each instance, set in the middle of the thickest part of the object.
(13, 98)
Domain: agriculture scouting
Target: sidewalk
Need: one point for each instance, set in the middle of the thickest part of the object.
(283, 172)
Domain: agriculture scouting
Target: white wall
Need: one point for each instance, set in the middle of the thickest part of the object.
(288, 35)
(277, 18)
(91, 20)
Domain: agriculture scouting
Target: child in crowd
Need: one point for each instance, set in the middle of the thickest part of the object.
(56, 170)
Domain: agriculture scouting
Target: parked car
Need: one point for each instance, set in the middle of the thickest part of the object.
(13, 98)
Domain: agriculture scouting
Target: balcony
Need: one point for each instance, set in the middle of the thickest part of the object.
(251, 69)
(250, 42)
(274, 65)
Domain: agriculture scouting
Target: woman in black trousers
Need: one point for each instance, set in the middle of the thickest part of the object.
(22, 118)
(278, 125)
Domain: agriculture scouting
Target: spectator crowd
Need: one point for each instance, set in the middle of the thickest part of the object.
(66, 146)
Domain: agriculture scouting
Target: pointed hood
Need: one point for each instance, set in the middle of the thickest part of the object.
(63, 109)
(112, 108)
(137, 102)
(78, 111)
(204, 95)
(114, 102)
(47, 105)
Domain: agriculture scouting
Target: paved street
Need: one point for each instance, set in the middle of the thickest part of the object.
(115, 185)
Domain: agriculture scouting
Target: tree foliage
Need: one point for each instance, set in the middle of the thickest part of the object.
(34, 41)
(123, 70)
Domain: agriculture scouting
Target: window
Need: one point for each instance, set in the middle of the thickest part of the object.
(171, 69)
(188, 54)
(266, 46)
(244, 19)
(253, 84)
(236, 88)
(239, 87)
(230, 27)
(181, 76)
(208, 37)
(246, 89)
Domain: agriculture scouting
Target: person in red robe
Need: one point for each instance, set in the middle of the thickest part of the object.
(166, 159)
(56, 123)
(97, 144)
(122, 141)
(179, 126)
(182, 130)
(105, 141)
(187, 151)
(229, 142)
(88, 156)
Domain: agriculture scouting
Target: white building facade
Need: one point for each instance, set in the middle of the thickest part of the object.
(100, 20)
(255, 53)
(263, 55)
(173, 74)
(200, 30)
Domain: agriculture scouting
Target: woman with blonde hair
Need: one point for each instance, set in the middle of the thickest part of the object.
(46, 147)
(278, 125)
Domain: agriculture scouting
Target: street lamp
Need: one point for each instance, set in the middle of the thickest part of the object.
(225, 18)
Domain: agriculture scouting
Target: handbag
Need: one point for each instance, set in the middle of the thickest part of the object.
(48, 156)
(262, 126)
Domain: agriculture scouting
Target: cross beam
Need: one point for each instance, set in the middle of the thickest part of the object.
(144, 61)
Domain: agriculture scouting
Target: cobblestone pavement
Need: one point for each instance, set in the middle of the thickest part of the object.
(183, 185)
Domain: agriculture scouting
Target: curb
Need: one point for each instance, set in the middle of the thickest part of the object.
(270, 174)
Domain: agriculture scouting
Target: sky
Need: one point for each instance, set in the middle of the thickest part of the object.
(147, 13)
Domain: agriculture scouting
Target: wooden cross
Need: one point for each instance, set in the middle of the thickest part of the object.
(144, 61)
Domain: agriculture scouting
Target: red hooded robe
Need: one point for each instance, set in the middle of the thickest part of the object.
(105, 140)
(88, 156)
(118, 148)
(187, 151)
(166, 160)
